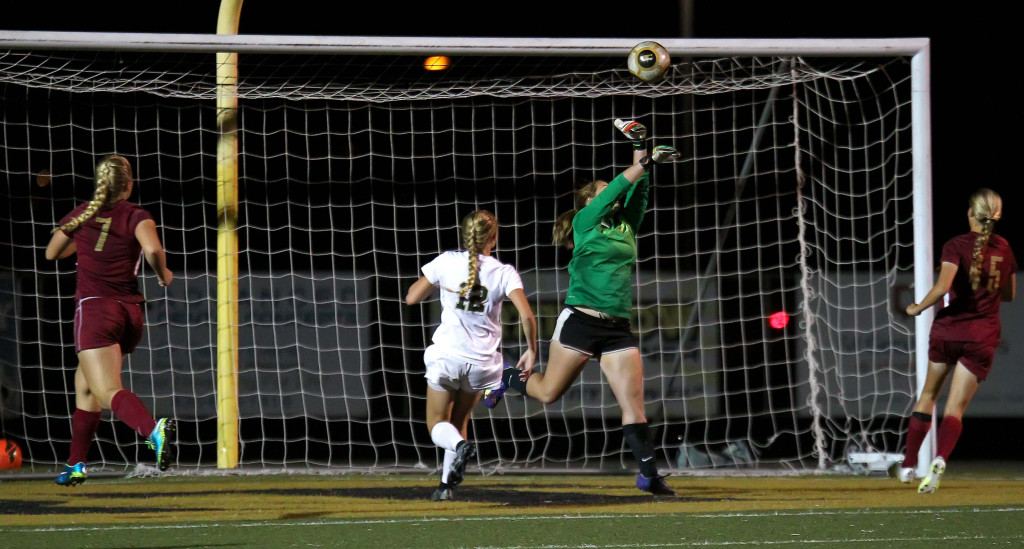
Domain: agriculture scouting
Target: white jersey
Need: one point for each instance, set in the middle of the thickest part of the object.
(471, 325)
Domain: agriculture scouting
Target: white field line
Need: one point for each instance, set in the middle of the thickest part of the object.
(560, 518)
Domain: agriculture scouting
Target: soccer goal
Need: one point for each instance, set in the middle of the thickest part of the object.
(774, 261)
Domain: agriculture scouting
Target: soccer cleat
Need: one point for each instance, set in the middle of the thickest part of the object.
(159, 441)
(633, 130)
(931, 482)
(906, 474)
(464, 452)
(72, 475)
(900, 473)
(664, 153)
(654, 485)
(493, 396)
(444, 492)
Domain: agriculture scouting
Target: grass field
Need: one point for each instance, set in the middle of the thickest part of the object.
(979, 507)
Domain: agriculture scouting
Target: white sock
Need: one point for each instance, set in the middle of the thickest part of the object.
(446, 436)
(449, 457)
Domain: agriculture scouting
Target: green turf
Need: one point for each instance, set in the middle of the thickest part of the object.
(972, 509)
(906, 528)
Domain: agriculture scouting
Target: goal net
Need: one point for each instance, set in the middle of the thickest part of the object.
(795, 195)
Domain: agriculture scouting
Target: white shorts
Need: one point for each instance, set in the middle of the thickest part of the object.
(447, 372)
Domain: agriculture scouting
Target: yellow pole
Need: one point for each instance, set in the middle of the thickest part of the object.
(227, 242)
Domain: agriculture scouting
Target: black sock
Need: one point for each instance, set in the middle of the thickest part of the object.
(927, 418)
(636, 435)
(511, 378)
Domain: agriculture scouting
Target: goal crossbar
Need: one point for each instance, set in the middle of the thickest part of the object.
(212, 43)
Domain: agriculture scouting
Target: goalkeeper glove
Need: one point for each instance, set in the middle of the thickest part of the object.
(664, 153)
(635, 131)
(661, 153)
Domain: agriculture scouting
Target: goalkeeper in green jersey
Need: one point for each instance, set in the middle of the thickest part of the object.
(601, 232)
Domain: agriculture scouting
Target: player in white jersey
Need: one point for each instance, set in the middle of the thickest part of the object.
(464, 362)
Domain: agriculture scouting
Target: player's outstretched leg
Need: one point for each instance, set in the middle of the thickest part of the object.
(160, 442)
(510, 378)
(931, 482)
(72, 475)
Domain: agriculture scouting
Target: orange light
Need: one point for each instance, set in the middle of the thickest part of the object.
(436, 63)
(778, 320)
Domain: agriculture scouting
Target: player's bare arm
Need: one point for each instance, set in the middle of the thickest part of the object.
(145, 233)
(1009, 290)
(941, 288)
(60, 246)
(529, 323)
(420, 290)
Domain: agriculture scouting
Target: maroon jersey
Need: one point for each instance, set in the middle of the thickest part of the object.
(973, 315)
(109, 255)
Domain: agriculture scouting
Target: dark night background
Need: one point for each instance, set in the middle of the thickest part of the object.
(974, 119)
(974, 116)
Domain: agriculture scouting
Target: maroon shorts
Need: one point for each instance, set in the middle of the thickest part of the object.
(976, 357)
(102, 322)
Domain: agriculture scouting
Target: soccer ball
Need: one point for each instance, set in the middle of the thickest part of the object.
(10, 454)
(648, 61)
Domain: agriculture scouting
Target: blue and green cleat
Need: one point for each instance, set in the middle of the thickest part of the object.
(72, 475)
(160, 442)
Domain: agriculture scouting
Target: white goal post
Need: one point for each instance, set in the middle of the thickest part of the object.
(804, 188)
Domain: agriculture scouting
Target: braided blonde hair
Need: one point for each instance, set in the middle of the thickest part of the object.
(561, 233)
(986, 206)
(113, 175)
(479, 229)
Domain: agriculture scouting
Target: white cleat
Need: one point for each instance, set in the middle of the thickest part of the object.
(931, 482)
(906, 475)
(900, 473)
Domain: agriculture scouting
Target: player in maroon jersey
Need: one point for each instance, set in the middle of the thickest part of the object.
(110, 236)
(978, 272)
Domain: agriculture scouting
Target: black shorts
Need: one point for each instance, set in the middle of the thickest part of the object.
(591, 335)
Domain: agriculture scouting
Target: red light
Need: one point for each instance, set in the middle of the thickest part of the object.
(778, 320)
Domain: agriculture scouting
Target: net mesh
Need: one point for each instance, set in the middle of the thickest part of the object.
(793, 195)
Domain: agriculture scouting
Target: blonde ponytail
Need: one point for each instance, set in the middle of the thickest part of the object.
(479, 229)
(113, 175)
(986, 208)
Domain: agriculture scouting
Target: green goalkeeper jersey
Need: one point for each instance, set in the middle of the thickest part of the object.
(604, 252)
